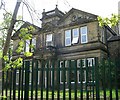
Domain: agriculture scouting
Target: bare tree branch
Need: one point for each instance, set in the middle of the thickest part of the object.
(13, 21)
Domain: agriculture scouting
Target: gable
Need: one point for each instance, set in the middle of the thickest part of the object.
(75, 16)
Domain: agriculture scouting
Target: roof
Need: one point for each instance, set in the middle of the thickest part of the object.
(52, 13)
(114, 38)
(25, 25)
(109, 29)
(80, 11)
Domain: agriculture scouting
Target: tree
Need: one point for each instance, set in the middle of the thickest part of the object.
(10, 29)
(112, 21)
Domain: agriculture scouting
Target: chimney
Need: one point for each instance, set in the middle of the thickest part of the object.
(119, 8)
(43, 13)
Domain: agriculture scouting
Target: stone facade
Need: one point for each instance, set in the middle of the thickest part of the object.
(72, 36)
(56, 23)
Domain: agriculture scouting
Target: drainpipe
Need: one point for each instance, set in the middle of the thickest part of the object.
(106, 42)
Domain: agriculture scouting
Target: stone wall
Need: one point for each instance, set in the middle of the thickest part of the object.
(114, 49)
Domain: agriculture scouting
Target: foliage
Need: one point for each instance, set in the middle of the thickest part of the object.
(4, 28)
(112, 21)
(25, 34)
(107, 72)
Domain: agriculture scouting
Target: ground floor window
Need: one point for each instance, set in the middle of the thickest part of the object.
(86, 74)
(87, 70)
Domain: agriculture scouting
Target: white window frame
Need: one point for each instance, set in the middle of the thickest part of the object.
(34, 44)
(49, 37)
(84, 34)
(67, 37)
(27, 45)
(75, 37)
(34, 41)
(84, 71)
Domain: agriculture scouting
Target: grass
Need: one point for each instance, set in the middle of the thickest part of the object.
(67, 94)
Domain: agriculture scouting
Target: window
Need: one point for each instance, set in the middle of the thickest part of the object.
(33, 44)
(75, 33)
(63, 73)
(27, 43)
(67, 37)
(49, 40)
(87, 75)
(83, 31)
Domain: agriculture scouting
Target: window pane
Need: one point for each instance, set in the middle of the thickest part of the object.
(75, 40)
(75, 32)
(68, 41)
(84, 39)
(84, 30)
(68, 33)
(34, 41)
(27, 46)
(49, 38)
(90, 61)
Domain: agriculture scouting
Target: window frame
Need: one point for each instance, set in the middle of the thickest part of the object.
(33, 42)
(84, 34)
(49, 40)
(66, 37)
(27, 46)
(75, 37)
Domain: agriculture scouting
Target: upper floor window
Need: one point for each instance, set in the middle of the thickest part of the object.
(83, 31)
(67, 37)
(27, 45)
(33, 44)
(75, 34)
(49, 40)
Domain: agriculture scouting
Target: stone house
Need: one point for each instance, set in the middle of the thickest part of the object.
(71, 36)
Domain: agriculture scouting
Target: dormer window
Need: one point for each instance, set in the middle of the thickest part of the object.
(49, 40)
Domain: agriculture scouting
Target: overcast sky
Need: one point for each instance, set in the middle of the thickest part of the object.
(102, 8)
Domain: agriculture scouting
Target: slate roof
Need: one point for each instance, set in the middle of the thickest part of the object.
(26, 24)
(114, 38)
(93, 16)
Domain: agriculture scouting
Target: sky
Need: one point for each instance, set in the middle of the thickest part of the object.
(102, 8)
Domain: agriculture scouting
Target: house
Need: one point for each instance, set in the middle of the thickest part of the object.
(67, 36)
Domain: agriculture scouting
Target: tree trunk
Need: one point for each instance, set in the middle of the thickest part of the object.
(10, 29)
